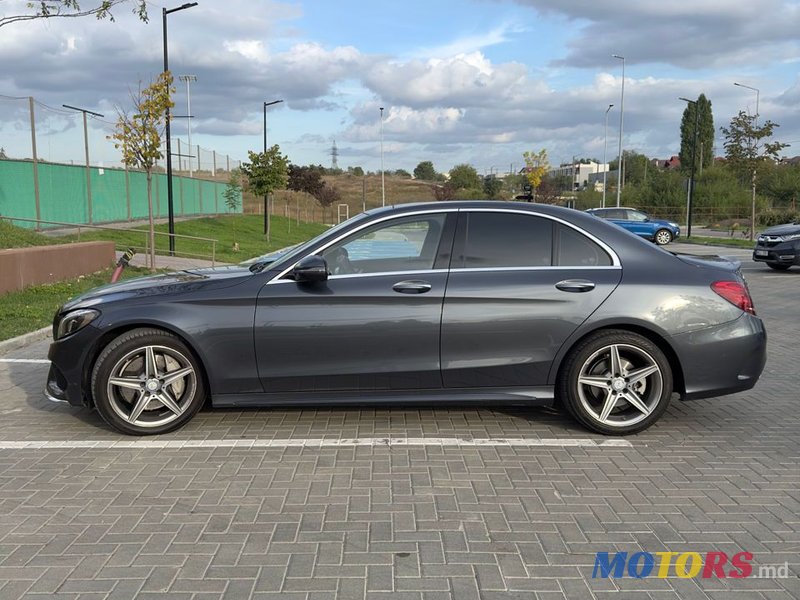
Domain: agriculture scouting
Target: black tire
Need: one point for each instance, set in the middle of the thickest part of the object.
(778, 266)
(590, 360)
(663, 237)
(167, 396)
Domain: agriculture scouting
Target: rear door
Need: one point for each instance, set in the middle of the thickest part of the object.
(519, 285)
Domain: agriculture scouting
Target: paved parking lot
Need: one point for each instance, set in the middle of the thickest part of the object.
(461, 503)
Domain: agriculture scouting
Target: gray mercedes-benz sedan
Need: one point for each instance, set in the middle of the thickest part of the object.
(494, 302)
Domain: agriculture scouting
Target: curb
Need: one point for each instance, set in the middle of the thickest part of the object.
(24, 339)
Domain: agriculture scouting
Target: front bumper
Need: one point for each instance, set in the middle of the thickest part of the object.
(721, 360)
(68, 378)
(784, 253)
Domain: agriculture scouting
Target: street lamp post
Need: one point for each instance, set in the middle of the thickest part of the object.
(690, 192)
(605, 149)
(188, 79)
(266, 196)
(86, 149)
(621, 117)
(383, 181)
(758, 93)
(170, 208)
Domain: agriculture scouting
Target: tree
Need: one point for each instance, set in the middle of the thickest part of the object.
(704, 155)
(233, 198)
(424, 171)
(51, 9)
(747, 148)
(266, 172)
(465, 177)
(139, 135)
(328, 195)
(536, 166)
(402, 173)
(356, 171)
(492, 186)
(305, 179)
(443, 192)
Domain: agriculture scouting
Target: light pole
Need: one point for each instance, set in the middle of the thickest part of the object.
(188, 79)
(266, 196)
(170, 208)
(383, 182)
(605, 149)
(690, 192)
(86, 149)
(756, 90)
(621, 117)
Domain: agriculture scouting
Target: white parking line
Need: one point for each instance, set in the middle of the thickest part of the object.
(151, 444)
(34, 361)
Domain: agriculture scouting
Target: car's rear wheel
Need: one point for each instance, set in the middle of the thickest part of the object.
(778, 266)
(616, 382)
(146, 382)
(663, 237)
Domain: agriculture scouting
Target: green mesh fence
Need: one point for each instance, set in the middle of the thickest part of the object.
(117, 195)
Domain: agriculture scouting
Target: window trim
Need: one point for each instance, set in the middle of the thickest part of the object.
(279, 277)
(615, 262)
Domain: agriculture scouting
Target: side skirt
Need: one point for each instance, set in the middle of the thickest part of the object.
(528, 396)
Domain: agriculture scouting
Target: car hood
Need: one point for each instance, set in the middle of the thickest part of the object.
(786, 229)
(159, 285)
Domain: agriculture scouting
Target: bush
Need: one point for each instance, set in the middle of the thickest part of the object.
(777, 217)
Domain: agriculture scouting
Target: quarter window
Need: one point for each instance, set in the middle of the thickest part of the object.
(577, 250)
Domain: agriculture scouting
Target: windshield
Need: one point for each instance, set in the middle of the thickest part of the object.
(289, 257)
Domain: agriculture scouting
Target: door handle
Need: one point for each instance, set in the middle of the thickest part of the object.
(412, 287)
(575, 285)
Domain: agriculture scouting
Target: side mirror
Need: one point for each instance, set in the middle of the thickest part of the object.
(311, 269)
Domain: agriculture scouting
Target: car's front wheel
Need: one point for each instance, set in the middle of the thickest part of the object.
(778, 266)
(663, 237)
(616, 382)
(147, 381)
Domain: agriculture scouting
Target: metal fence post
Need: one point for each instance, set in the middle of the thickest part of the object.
(35, 162)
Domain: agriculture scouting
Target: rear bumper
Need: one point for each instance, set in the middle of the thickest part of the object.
(722, 360)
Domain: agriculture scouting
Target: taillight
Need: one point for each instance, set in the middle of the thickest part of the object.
(736, 293)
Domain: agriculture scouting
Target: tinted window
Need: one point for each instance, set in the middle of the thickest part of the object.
(507, 240)
(577, 250)
(615, 213)
(404, 244)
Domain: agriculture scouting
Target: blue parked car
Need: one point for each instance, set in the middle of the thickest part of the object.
(635, 221)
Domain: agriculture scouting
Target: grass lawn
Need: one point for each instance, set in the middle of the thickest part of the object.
(719, 241)
(17, 237)
(33, 308)
(248, 229)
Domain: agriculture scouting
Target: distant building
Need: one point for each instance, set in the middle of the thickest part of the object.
(578, 173)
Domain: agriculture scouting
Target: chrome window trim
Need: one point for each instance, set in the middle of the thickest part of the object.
(277, 278)
(550, 268)
(614, 258)
(377, 274)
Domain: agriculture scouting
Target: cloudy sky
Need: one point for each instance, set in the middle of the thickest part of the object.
(476, 81)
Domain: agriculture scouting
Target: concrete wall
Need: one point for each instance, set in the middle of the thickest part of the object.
(21, 267)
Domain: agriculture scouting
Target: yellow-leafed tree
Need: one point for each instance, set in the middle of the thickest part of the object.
(138, 136)
(536, 166)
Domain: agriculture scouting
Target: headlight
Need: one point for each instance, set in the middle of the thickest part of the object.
(75, 321)
(791, 237)
(673, 224)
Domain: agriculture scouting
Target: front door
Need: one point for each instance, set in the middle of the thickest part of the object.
(373, 325)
